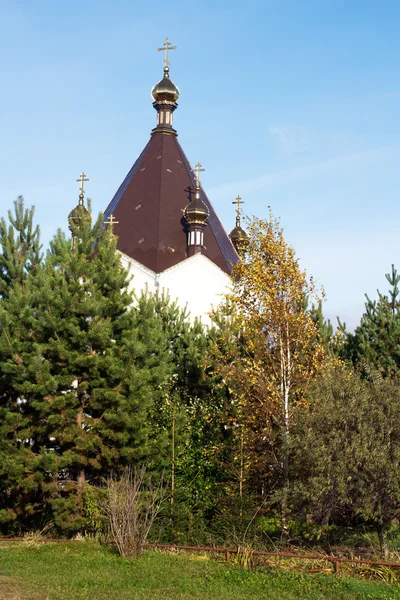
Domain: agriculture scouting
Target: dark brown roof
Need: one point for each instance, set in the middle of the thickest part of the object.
(149, 206)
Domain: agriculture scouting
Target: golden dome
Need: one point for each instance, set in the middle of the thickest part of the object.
(196, 211)
(238, 233)
(76, 214)
(239, 239)
(165, 89)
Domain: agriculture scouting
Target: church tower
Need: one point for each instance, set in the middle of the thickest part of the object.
(196, 215)
(238, 236)
(76, 213)
(168, 232)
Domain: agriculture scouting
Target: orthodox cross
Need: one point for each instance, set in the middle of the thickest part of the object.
(196, 172)
(238, 201)
(167, 46)
(82, 178)
(111, 221)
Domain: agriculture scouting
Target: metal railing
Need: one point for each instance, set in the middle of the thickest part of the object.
(335, 560)
(228, 552)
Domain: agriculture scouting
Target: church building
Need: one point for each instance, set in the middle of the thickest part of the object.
(169, 234)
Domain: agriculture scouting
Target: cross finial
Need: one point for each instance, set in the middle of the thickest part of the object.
(82, 178)
(166, 48)
(238, 201)
(198, 168)
(111, 221)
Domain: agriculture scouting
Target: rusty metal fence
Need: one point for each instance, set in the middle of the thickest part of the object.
(335, 560)
(228, 552)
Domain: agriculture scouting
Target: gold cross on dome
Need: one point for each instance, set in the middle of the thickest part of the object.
(166, 48)
(111, 221)
(82, 178)
(198, 168)
(238, 201)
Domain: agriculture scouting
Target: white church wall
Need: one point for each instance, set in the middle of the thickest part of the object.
(141, 277)
(196, 282)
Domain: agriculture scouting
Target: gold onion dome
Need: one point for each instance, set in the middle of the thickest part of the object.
(196, 211)
(165, 89)
(238, 236)
(76, 214)
(239, 239)
(238, 233)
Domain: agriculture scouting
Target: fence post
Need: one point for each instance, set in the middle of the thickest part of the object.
(337, 565)
(227, 555)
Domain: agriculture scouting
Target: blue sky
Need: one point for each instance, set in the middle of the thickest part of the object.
(291, 104)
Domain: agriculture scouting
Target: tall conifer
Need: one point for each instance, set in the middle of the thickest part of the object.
(20, 257)
(84, 371)
(375, 344)
(20, 246)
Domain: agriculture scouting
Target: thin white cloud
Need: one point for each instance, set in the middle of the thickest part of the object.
(292, 139)
(339, 164)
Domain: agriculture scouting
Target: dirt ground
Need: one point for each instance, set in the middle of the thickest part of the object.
(9, 590)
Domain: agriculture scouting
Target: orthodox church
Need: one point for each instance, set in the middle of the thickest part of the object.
(169, 234)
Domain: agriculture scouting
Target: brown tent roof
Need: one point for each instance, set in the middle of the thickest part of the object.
(149, 208)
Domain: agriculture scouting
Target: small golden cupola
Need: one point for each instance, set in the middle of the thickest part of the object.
(76, 213)
(196, 214)
(238, 236)
(166, 95)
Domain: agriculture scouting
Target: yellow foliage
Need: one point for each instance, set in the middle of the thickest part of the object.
(271, 347)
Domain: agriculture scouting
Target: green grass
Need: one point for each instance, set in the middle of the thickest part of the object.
(76, 571)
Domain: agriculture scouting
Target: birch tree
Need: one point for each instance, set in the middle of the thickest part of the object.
(281, 348)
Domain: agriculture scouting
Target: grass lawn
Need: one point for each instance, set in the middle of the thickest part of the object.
(75, 571)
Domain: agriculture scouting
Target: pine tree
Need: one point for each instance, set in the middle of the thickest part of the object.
(324, 327)
(20, 246)
(190, 414)
(346, 452)
(20, 255)
(20, 259)
(84, 370)
(375, 343)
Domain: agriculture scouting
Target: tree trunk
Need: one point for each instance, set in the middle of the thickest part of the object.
(81, 476)
(285, 359)
(382, 535)
(241, 476)
(173, 464)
